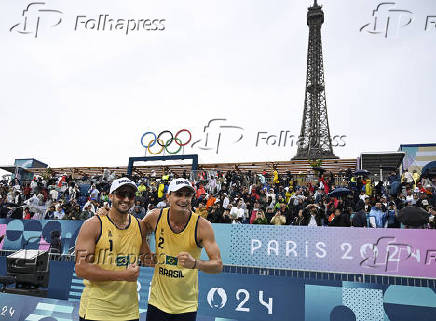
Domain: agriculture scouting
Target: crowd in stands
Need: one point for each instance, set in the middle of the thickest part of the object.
(318, 198)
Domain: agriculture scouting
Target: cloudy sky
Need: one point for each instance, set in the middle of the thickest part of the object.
(72, 95)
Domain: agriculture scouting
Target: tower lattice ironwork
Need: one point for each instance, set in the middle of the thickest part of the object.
(314, 140)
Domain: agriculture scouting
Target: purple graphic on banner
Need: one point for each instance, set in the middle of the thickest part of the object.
(397, 252)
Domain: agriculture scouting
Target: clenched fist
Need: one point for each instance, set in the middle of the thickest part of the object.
(186, 260)
(131, 273)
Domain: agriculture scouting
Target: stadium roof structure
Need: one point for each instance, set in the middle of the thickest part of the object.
(381, 162)
(294, 166)
(13, 168)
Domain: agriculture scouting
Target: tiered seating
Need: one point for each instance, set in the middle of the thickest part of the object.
(294, 166)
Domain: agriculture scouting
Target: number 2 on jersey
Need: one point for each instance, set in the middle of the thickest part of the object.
(161, 242)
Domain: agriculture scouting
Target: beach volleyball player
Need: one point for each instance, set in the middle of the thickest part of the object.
(180, 236)
(107, 250)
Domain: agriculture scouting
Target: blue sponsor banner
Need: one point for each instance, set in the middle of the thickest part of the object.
(400, 252)
(251, 297)
(396, 252)
(254, 297)
(19, 308)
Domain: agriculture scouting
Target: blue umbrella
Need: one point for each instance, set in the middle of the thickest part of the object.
(362, 172)
(429, 169)
(339, 191)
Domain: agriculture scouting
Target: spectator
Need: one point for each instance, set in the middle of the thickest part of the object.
(391, 216)
(55, 243)
(86, 213)
(226, 216)
(137, 211)
(93, 192)
(377, 217)
(359, 218)
(260, 218)
(201, 210)
(59, 213)
(49, 215)
(278, 219)
(312, 216)
(340, 218)
(74, 213)
(54, 194)
(254, 211)
(237, 212)
(226, 201)
(27, 215)
(299, 219)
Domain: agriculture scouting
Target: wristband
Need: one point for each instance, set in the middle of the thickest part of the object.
(195, 264)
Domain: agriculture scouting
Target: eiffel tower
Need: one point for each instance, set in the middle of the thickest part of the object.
(314, 141)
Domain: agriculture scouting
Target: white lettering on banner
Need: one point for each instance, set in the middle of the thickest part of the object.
(392, 254)
(307, 254)
(416, 254)
(240, 306)
(138, 288)
(323, 253)
(212, 300)
(386, 254)
(254, 248)
(275, 248)
(242, 296)
(5, 311)
(347, 248)
(268, 305)
(291, 250)
(431, 255)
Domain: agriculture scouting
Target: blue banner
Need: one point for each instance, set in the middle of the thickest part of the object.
(255, 297)
(396, 252)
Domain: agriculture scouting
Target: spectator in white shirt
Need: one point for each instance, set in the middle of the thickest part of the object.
(237, 212)
(60, 213)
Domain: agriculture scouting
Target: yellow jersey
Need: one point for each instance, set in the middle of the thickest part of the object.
(115, 249)
(174, 289)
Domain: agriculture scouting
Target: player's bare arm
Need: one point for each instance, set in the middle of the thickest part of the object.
(148, 225)
(206, 239)
(149, 221)
(85, 251)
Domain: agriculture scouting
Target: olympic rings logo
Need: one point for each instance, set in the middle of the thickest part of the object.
(165, 144)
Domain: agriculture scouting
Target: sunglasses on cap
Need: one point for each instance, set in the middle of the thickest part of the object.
(123, 193)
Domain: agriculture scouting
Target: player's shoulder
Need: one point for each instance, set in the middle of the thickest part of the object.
(91, 227)
(203, 223)
(153, 214)
(150, 219)
(94, 221)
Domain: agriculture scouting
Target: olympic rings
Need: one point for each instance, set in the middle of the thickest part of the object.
(165, 131)
(169, 141)
(150, 144)
(157, 139)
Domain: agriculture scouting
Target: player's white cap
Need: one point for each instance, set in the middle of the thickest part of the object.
(179, 183)
(116, 184)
